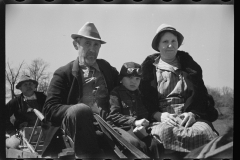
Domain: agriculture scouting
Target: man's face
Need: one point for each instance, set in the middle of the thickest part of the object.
(88, 50)
(27, 88)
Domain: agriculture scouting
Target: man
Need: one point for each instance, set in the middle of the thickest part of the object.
(22, 108)
(71, 98)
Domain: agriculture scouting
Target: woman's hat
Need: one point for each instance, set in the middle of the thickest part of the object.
(162, 28)
(130, 69)
(88, 31)
(25, 78)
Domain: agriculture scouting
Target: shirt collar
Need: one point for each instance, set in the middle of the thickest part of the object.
(95, 65)
(159, 63)
(31, 97)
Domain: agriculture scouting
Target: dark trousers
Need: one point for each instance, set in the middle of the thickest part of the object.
(78, 124)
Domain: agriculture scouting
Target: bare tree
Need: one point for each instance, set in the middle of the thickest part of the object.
(37, 70)
(12, 76)
(227, 91)
(43, 85)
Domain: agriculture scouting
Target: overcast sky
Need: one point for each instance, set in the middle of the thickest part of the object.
(44, 31)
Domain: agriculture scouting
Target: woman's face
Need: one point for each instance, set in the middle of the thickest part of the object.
(168, 46)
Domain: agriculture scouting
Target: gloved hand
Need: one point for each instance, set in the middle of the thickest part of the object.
(22, 125)
(140, 132)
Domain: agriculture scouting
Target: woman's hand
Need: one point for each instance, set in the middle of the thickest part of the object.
(169, 118)
(142, 122)
(188, 120)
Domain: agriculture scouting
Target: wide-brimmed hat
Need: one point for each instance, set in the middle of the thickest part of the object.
(163, 28)
(130, 69)
(88, 30)
(25, 78)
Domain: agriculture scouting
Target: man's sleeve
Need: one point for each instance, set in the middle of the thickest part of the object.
(54, 109)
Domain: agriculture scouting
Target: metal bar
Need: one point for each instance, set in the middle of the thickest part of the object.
(111, 143)
(39, 137)
(28, 145)
(136, 152)
(35, 125)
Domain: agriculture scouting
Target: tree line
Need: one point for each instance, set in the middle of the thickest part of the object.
(224, 101)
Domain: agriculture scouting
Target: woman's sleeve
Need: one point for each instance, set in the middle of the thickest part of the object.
(201, 102)
(149, 93)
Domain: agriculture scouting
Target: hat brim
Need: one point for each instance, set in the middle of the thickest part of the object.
(20, 83)
(74, 36)
(155, 43)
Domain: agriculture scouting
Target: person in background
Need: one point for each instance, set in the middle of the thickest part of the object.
(71, 99)
(128, 115)
(173, 89)
(22, 107)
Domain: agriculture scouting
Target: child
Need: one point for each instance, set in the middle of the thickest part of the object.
(127, 113)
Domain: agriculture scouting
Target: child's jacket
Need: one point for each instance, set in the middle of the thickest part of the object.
(126, 107)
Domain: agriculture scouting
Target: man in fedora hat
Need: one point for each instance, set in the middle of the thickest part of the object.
(71, 99)
(22, 106)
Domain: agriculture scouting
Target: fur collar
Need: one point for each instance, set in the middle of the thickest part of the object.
(187, 63)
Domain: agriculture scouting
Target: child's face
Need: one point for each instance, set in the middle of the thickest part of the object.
(131, 83)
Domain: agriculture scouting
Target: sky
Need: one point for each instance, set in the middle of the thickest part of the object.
(44, 31)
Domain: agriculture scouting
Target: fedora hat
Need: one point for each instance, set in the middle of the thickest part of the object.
(88, 30)
(25, 78)
(163, 28)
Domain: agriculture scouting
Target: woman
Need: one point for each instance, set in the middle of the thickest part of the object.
(174, 91)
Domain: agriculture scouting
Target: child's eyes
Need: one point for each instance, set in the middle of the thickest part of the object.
(136, 78)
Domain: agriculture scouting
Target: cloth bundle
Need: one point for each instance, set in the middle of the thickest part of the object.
(179, 138)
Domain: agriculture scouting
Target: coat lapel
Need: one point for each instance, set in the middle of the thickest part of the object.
(76, 86)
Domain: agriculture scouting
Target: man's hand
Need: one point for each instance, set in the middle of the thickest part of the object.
(188, 120)
(95, 108)
(140, 132)
(142, 122)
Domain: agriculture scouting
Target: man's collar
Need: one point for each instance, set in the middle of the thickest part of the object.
(95, 65)
(76, 66)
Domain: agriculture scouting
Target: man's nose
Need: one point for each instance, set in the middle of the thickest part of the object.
(92, 48)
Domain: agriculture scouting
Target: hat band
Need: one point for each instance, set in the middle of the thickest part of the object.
(91, 34)
(168, 28)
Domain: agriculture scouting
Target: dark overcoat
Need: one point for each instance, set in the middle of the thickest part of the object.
(198, 101)
(15, 107)
(65, 90)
